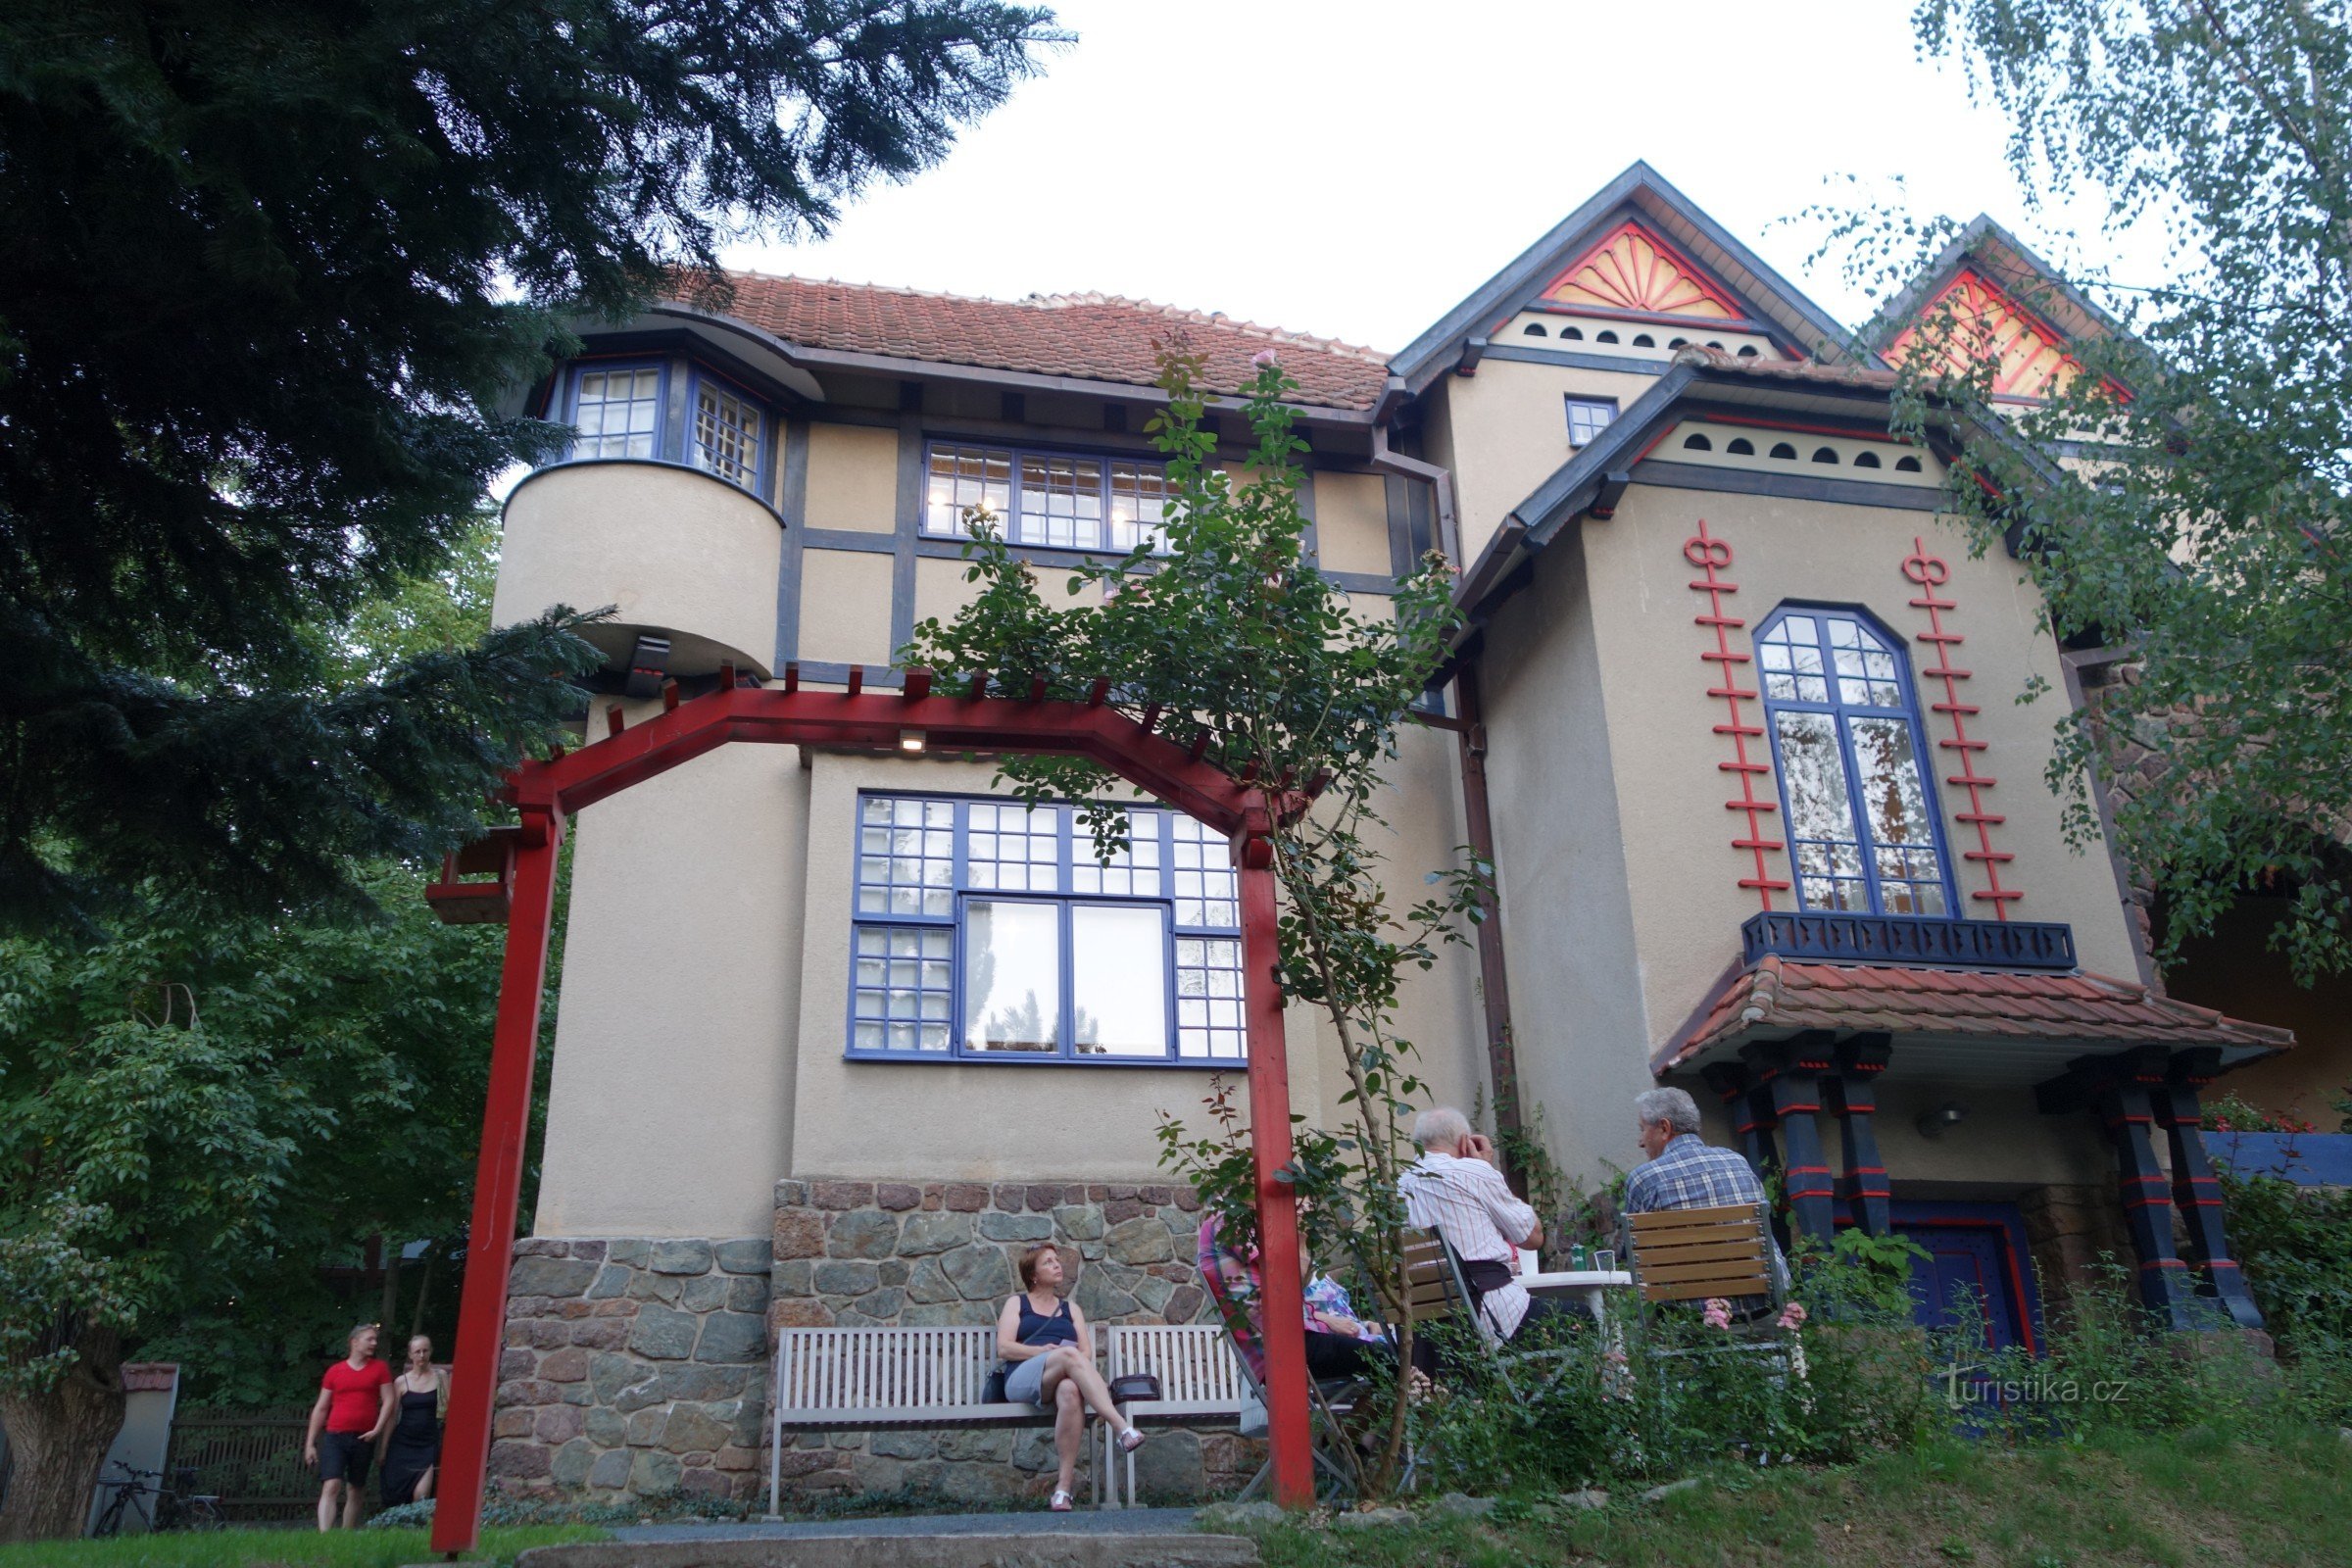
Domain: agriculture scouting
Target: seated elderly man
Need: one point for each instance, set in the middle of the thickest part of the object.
(1456, 1190)
(1682, 1170)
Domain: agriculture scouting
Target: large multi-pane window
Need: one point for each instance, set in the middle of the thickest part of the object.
(991, 931)
(726, 433)
(1043, 498)
(1854, 785)
(617, 411)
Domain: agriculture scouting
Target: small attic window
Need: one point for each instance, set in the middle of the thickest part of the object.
(1533, 330)
(1572, 334)
(1906, 465)
(1696, 442)
(1825, 454)
(1717, 347)
(1678, 343)
(1605, 337)
(1643, 340)
(1866, 459)
(1747, 350)
(1740, 447)
(1782, 450)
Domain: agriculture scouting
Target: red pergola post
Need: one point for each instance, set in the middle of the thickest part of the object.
(497, 1187)
(547, 792)
(1284, 1325)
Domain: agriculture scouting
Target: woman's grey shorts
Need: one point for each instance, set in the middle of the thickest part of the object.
(1026, 1383)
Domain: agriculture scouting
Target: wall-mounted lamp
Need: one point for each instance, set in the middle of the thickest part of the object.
(1940, 1120)
(911, 740)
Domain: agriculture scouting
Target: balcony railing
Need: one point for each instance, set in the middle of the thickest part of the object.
(1835, 938)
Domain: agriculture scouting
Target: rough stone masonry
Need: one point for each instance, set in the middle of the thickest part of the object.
(639, 1368)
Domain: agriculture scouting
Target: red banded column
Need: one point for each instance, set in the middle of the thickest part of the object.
(1751, 1113)
(2194, 1190)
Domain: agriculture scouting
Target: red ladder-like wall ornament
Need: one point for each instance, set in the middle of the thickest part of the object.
(523, 861)
(1928, 573)
(1712, 556)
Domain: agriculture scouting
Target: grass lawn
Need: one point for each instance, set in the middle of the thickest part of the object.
(2178, 1503)
(279, 1548)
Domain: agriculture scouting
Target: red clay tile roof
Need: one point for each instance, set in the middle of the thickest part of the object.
(1093, 337)
(1777, 994)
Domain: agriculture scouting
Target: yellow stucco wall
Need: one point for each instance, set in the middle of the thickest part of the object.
(677, 552)
(1507, 431)
(1620, 884)
(853, 478)
(1351, 522)
(670, 1106)
(845, 606)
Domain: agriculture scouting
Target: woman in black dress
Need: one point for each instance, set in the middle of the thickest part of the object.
(412, 1447)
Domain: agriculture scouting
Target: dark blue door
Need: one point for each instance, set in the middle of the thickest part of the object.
(1976, 1271)
(1960, 1280)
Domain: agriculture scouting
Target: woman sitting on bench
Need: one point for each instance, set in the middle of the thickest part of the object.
(1052, 1353)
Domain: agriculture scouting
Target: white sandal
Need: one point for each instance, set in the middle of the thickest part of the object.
(1131, 1440)
(1062, 1502)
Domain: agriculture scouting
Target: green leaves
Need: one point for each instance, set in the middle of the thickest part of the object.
(2185, 499)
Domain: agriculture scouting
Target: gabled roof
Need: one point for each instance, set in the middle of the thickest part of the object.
(2014, 1026)
(1642, 194)
(2009, 266)
(1092, 337)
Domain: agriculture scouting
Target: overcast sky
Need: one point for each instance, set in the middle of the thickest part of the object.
(1354, 170)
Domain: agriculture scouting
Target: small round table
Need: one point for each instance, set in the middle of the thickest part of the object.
(1589, 1288)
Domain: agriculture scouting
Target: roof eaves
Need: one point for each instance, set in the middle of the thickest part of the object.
(2022, 263)
(1037, 380)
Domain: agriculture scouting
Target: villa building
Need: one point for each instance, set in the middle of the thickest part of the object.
(841, 1032)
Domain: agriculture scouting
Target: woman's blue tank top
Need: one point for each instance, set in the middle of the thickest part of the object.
(1041, 1327)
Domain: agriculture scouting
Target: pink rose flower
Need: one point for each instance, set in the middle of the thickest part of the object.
(1793, 1316)
(1718, 1314)
(1263, 358)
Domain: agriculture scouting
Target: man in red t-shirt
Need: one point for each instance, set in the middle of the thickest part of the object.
(353, 1408)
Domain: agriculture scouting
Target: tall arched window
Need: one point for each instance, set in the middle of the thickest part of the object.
(1854, 786)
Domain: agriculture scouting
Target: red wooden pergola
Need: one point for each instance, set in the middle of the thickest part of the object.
(920, 717)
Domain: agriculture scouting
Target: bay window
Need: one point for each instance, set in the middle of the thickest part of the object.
(1062, 500)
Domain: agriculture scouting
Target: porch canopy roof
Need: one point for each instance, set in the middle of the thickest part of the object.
(1955, 1026)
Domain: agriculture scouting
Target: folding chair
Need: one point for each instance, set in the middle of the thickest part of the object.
(1435, 1279)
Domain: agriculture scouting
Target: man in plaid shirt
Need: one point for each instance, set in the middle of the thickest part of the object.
(1683, 1171)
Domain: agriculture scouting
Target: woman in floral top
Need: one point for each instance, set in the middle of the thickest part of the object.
(1339, 1344)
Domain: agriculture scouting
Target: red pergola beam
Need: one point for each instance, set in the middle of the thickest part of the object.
(548, 791)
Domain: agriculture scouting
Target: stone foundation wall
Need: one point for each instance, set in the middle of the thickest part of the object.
(634, 1368)
(637, 1368)
(916, 1255)
(2068, 1228)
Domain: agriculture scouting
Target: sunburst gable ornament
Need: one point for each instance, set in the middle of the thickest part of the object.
(1633, 270)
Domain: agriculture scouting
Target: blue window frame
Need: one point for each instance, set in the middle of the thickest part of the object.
(1587, 417)
(728, 433)
(989, 931)
(1856, 795)
(1068, 501)
(617, 409)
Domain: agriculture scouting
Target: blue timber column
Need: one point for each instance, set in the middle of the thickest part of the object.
(2124, 1093)
(1791, 1072)
(1750, 1113)
(1851, 1093)
(2194, 1190)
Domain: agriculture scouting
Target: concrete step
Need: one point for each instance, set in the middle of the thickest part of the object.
(993, 1549)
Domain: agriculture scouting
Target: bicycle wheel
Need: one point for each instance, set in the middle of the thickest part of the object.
(111, 1521)
(203, 1513)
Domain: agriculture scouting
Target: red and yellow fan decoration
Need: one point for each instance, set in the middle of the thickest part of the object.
(2030, 360)
(1635, 271)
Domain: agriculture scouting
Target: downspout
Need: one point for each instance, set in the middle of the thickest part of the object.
(1469, 726)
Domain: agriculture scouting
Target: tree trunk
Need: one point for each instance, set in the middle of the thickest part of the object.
(424, 1288)
(389, 1314)
(58, 1440)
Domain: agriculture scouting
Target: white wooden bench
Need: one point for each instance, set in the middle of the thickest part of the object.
(1200, 1381)
(864, 1379)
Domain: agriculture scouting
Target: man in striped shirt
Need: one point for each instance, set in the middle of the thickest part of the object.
(1456, 1190)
